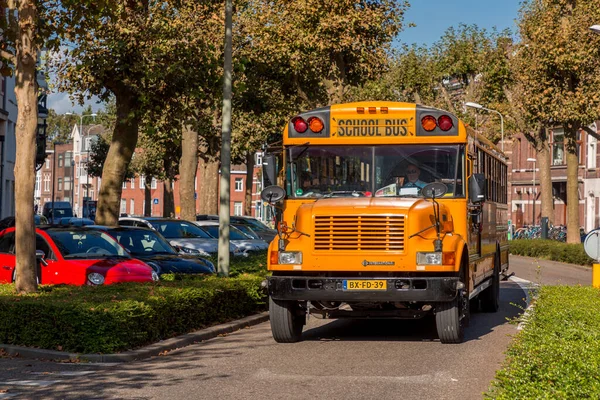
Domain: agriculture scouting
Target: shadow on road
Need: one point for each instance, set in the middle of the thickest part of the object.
(512, 304)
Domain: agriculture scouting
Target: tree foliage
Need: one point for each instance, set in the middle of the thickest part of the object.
(558, 78)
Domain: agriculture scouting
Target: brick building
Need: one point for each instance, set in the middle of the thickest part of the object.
(525, 180)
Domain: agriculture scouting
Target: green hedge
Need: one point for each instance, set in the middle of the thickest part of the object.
(551, 250)
(557, 355)
(109, 319)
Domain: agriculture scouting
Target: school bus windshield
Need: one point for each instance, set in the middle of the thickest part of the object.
(379, 171)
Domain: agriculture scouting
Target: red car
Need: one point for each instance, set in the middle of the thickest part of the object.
(75, 256)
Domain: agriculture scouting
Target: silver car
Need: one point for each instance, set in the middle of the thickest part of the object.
(181, 233)
(237, 237)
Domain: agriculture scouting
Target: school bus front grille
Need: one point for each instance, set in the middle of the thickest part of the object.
(359, 233)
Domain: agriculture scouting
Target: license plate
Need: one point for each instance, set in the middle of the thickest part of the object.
(364, 285)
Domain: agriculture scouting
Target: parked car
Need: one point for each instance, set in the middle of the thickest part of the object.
(74, 221)
(75, 256)
(149, 246)
(237, 237)
(9, 222)
(61, 209)
(181, 234)
(267, 234)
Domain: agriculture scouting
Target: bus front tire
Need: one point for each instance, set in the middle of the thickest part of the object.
(490, 297)
(287, 320)
(450, 319)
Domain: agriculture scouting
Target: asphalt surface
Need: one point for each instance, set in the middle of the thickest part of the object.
(340, 359)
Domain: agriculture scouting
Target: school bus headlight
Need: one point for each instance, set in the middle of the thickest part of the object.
(434, 258)
(290, 257)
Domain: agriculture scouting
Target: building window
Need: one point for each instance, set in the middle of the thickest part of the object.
(259, 157)
(124, 185)
(68, 158)
(47, 163)
(132, 206)
(133, 183)
(558, 146)
(38, 181)
(77, 189)
(239, 185)
(153, 184)
(123, 206)
(237, 208)
(46, 183)
(87, 144)
(60, 160)
(60, 184)
(142, 179)
(67, 183)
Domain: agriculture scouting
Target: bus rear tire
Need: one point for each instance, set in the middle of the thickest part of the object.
(449, 322)
(490, 297)
(287, 320)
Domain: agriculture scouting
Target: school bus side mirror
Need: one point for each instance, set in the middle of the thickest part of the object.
(269, 170)
(477, 188)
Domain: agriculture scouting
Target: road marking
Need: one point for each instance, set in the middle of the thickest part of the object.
(528, 287)
(64, 373)
(29, 383)
(438, 377)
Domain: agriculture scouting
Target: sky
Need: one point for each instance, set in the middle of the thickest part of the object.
(432, 17)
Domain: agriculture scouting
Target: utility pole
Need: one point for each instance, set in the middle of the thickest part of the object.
(224, 207)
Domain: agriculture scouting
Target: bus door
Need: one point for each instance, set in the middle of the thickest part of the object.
(474, 219)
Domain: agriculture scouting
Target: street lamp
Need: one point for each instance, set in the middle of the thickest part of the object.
(480, 107)
(533, 160)
(72, 181)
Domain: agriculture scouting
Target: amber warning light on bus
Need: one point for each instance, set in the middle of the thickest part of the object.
(444, 122)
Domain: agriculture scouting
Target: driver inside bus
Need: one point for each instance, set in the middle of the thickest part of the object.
(412, 177)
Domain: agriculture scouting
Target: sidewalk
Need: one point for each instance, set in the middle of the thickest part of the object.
(155, 349)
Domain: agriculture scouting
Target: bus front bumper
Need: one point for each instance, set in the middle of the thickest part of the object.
(303, 288)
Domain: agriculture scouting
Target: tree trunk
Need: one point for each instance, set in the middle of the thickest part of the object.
(124, 140)
(188, 166)
(572, 188)
(26, 91)
(147, 196)
(249, 183)
(543, 162)
(208, 188)
(168, 200)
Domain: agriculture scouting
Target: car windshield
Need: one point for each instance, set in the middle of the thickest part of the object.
(86, 244)
(248, 231)
(179, 229)
(255, 224)
(140, 242)
(234, 233)
(379, 171)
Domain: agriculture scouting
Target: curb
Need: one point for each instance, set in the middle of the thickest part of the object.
(155, 349)
(527, 287)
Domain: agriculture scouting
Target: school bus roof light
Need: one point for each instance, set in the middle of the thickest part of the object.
(300, 124)
(315, 124)
(445, 123)
(384, 110)
(372, 110)
(360, 110)
(428, 123)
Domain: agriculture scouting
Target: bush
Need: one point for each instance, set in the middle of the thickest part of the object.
(557, 355)
(551, 250)
(108, 319)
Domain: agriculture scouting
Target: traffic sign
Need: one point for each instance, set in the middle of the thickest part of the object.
(592, 244)
(155, 201)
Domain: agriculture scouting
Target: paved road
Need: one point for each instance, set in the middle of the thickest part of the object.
(337, 360)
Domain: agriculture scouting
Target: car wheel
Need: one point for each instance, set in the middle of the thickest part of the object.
(287, 319)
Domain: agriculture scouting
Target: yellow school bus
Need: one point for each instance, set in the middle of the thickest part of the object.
(384, 210)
